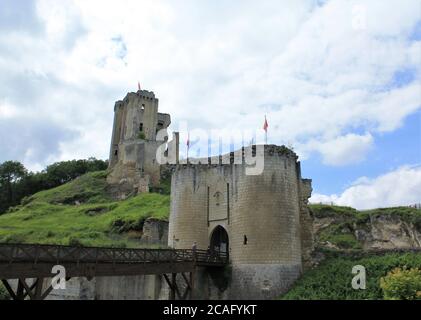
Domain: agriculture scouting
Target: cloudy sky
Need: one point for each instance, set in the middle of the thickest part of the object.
(338, 80)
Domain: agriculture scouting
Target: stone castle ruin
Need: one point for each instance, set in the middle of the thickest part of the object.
(261, 222)
(134, 144)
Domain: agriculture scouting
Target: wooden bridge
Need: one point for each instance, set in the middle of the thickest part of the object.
(35, 261)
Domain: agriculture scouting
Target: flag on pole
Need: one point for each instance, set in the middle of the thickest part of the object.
(138, 85)
(266, 125)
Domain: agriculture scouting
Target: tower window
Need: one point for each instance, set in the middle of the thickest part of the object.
(141, 127)
(245, 240)
(116, 152)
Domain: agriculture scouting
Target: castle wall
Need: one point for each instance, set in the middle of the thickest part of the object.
(266, 209)
(188, 219)
(146, 287)
(116, 135)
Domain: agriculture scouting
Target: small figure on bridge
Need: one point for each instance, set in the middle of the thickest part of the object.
(208, 253)
(194, 250)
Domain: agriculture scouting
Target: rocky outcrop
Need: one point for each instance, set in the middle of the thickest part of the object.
(366, 230)
(155, 231)
(389, 232)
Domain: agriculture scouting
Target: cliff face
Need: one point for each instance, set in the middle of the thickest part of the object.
(347, 228)
(389, 232)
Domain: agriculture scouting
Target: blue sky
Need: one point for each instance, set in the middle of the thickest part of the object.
(391, 150)
(338, 80)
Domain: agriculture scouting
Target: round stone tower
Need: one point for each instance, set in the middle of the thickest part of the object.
(258, 220)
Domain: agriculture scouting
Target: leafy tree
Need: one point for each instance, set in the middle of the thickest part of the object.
(11, 172)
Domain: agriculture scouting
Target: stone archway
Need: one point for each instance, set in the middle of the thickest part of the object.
(219, 241)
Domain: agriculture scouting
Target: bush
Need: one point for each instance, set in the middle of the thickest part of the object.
(402, 284)
(331, 280)
(4, 295)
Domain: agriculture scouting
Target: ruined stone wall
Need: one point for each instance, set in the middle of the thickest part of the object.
(132, 163)
(306, 224)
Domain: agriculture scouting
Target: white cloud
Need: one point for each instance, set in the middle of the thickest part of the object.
(401, 187)
(348, 149)
(219, 65)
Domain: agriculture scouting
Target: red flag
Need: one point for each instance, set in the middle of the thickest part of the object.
(138, 85)
(265, 125)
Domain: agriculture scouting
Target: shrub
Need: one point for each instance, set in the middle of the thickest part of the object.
(4, 295)
(332, 278)
(402, 284)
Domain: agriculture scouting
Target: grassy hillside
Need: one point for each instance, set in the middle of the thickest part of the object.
(81, 212)
(326, 211)
(332, 279)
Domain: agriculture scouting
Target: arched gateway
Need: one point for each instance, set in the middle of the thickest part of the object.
(219, 241)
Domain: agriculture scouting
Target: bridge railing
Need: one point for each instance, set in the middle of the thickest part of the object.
(206, 257)
(35, 253)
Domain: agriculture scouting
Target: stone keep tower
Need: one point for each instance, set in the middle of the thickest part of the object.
(261, 221)
(132, 162)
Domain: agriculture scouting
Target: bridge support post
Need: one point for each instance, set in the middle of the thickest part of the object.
(23, 290)
(174, 288)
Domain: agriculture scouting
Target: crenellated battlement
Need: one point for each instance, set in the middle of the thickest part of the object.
(239, 157)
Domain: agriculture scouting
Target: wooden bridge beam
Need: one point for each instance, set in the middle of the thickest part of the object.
(175, 290)
(23, 290)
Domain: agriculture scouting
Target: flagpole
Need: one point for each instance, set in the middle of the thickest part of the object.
(188, 146)
(265, 127)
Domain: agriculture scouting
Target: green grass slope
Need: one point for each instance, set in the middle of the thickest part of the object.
(332, 279)
(80, 212)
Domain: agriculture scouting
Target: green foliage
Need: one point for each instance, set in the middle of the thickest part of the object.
(324, 211)
(141, 135)
(332, 279)
(343, 241)
(89, 188)
(402, 284)
(4, 295)
(11, 174)
(51, 216)
(16, 183)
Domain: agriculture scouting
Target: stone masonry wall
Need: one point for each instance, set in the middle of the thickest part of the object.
(265, 208)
